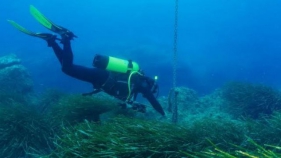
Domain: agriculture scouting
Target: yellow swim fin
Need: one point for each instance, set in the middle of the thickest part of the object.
(24, 30)
(46, 22)
(20, 28)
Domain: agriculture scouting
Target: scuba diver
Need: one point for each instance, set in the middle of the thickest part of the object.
(120, 78)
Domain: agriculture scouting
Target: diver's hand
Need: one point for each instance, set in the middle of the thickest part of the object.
(123, 105)
(134, 106)
(139, 107)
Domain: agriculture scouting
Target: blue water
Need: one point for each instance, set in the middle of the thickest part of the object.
(219, 41)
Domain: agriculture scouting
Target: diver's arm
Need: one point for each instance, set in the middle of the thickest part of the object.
(144, 87)
(155, 104)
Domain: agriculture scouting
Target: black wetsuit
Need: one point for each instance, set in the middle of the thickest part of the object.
(101, 78)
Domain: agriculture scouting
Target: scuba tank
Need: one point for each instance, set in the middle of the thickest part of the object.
(127, 67)
(114, 64)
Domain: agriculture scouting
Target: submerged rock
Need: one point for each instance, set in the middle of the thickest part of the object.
(9, 60)
(186, 98)
(14, 77)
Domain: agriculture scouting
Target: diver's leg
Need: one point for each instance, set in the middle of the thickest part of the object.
(56, 48)
(92, 75)
(67, 55)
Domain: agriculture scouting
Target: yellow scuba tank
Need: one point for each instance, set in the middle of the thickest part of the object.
(115, 64)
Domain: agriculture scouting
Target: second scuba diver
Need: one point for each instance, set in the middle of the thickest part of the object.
(122, 79)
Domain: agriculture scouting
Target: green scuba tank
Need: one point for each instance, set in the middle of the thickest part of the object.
(114, 64)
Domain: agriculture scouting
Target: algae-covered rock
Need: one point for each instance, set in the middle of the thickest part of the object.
(15, 81)
(14, 77)
(185, 98)
(49, 98)
(250, 100)
(9, 60)
(77, 108)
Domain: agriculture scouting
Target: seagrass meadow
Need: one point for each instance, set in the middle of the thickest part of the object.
(235, 121)
(60, 125)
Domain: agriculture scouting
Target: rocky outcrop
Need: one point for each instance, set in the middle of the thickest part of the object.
(186, 98)
(14, 77)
